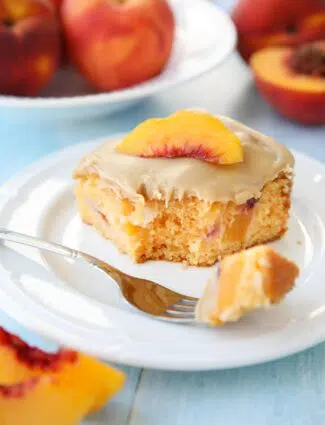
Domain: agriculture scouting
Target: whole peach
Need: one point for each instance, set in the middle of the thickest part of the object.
(29, 46)
(266, 23)
(57, 3)
(118, 43)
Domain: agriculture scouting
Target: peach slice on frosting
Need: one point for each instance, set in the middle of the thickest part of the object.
(188, 134)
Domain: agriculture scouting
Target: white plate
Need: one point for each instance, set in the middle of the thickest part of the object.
(81, 309)
(205, 36)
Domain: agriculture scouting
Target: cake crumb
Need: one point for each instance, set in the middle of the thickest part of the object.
(249, 280)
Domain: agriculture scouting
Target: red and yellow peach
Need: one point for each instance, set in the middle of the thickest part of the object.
(118, 43)
(277, 23)
(29, 46)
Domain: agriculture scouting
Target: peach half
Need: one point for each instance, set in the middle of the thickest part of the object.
(293, 80)
(185, 134)
(40, 388)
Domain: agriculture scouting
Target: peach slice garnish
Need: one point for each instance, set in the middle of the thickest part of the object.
(40, 388)
(185, 134)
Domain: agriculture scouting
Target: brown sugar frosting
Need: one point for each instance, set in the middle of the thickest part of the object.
(164, 178)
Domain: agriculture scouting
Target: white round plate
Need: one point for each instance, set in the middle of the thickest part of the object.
(205, 36)
(78, 307)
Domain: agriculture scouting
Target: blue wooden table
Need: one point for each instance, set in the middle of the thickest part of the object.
(287, 392)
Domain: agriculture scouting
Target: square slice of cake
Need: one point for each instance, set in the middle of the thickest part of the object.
(246, 281)
(191, 188)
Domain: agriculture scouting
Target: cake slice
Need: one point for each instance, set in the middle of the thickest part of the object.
(193, 188)
(246, 281)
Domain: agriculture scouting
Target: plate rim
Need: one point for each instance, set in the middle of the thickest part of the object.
(129, 94)
(57, 334)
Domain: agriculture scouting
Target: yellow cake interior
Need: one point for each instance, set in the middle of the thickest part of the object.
(190, 230)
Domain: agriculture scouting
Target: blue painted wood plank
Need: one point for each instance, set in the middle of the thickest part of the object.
(287, 392)
(119, 410)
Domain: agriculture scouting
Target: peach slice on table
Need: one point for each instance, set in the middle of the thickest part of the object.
(185, 134)
(19, 361)
(293, 80)
(40, 388)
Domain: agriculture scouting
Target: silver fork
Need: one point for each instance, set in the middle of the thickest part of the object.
(144, 295)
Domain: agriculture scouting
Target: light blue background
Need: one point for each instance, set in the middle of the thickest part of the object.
(287, 392)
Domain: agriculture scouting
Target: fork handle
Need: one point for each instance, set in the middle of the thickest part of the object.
(10, 236)
(55, 248)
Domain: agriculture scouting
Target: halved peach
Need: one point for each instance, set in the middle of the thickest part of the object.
(293, 81)
(40, 388)
(185, 134)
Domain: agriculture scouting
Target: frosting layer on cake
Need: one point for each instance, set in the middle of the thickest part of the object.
(164, 178)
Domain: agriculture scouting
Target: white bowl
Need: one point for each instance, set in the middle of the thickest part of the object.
(205, 36)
